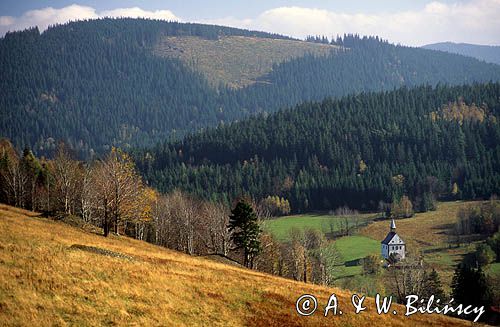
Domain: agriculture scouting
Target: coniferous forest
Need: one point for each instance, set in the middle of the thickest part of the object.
(94, 84)
(359, 150)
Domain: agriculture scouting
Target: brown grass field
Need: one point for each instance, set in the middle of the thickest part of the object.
(423, 229)
(44, 282)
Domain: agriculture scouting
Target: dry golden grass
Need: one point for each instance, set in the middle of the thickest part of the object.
(429, 231)
(45, 282)
(236, 61)
(423, 229)
(18, 210)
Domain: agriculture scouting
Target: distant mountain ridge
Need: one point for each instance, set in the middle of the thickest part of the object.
(101, 83)
(488, 53)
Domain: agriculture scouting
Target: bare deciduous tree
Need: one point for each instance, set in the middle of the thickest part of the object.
(12, 176)
(111, 191)
(214, 220)
(67, 177)
(407, 277)
(270, 258)
(323, 257)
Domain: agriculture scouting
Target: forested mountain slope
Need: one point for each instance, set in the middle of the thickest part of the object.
(96, 83)
(99, 83)
(426, 143)
(488, 53)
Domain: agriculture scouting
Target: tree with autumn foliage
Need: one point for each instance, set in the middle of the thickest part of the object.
(402, 208)
(276, 206)
(144, 211)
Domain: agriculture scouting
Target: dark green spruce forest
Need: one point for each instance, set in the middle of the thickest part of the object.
(427, 142)
(94, 84)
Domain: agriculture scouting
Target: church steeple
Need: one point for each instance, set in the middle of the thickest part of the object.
(393, 245)
(393, 226)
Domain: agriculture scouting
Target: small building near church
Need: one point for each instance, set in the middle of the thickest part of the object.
(393, 244)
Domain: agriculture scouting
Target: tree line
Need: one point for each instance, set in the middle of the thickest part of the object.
(110, 194)
(395, 151)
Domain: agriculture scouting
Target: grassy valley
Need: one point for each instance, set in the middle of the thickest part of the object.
(44, 279)
(429, 234)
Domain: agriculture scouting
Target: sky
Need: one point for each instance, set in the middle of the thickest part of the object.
(414, 23)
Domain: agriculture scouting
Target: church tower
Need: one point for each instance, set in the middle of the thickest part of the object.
(393, 226)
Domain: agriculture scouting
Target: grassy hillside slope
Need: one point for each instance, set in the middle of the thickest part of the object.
(236, 61)
(44, 280)
(431, 234)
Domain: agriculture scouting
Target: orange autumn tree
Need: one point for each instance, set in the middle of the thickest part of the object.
(145, 205)
(276, 206)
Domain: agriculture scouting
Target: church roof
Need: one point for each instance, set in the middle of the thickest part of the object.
(389, 238)
(392, 234)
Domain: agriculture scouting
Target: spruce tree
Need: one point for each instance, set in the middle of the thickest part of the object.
(245, 231)
(433, 286)
(470, 286)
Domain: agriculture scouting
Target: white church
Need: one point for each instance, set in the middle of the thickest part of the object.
(393, 244)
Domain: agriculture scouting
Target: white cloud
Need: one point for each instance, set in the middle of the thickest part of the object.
(137, 12)
(45, 17)
(472, 21)
(6, 20)
(50, 16)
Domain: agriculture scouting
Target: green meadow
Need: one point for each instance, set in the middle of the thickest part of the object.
(356, 247)
(326, 223)
(350, 248)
